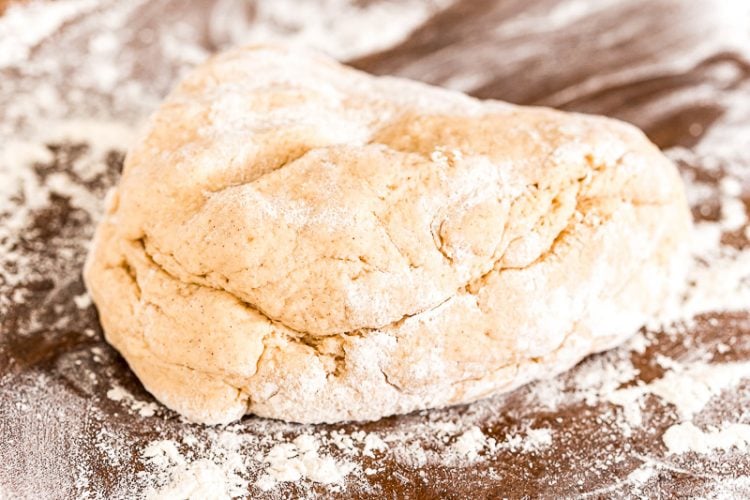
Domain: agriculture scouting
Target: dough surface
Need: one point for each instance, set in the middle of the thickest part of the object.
(295, 239)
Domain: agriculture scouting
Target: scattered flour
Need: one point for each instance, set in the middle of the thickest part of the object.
(195, 480)
(18, 35)
(258, 457)
(163, 453)
(535, 440)
(82, 301)
(200, 480)
(687, 387)
(300, 460)
(470, 443)
(369, 26)
(641, 474)
(372, 444)
(143, 408)
(684, 437)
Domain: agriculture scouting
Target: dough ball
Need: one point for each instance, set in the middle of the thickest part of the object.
(295, 239)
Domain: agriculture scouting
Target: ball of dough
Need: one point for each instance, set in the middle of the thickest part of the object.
(295, 239)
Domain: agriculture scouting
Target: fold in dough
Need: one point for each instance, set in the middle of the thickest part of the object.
(299, 240)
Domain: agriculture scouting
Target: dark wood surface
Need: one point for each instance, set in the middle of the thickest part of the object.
(668, 66)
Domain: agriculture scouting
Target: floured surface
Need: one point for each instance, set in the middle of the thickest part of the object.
(610, 426)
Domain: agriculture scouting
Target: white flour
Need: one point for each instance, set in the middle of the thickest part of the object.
(687, 387)
(342, 28)
(300, 460)
(23, 28)
(265, 457)
(684, 437)
(143, 408)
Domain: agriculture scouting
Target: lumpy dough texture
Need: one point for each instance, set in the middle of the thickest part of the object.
(299, 240)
